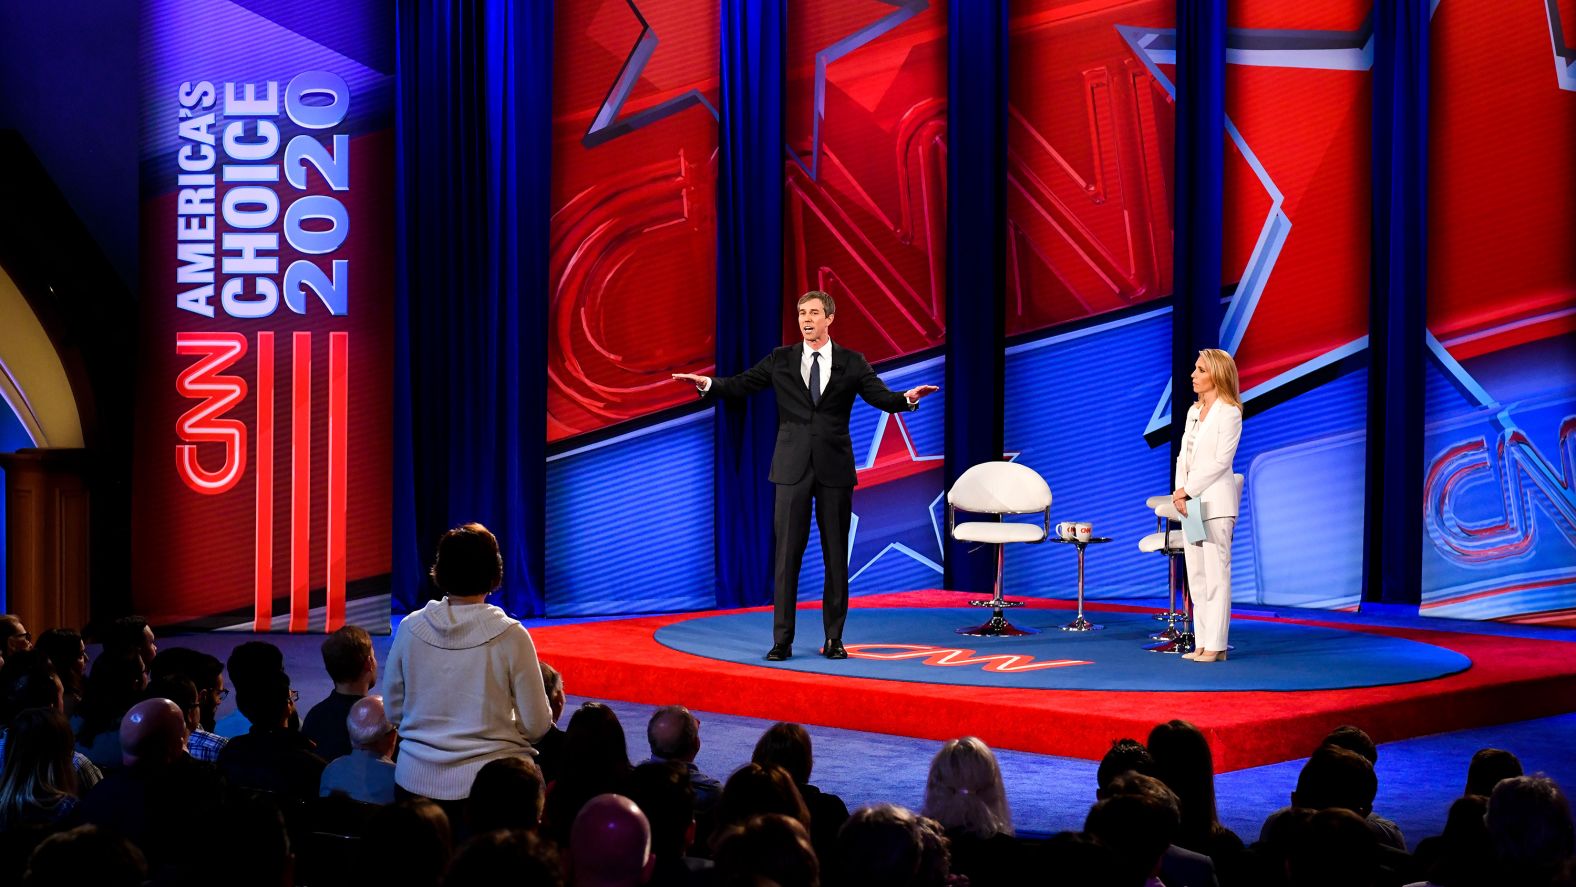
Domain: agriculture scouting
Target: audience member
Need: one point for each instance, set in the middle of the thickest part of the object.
(1184, 763)
(1488, 767)
(597, 761)
(610, 844)
(131, 634)
(1124, 756)
(1179, 866)
(550, 748)
(247, 661)
(965, 794)
(508, 794)
(1078, 859)
(115, 684)
(271, 756)
(1529, 822)
(673, 733)
(788, 746)
(86, 854)
(38, 785)
(255, 844)
(351, 665)
(14, 636)
(1138, 825)
(29, 681)
(1337, 846)
(879, 846)
(662, 791)
(406, 843)
(505, 856)
(463, 686)
(754, 791)
(64, 649)
(162, 800)
(772, 847)
(1464, 855)
(1357, 740)
(206, 674)
(367, 773)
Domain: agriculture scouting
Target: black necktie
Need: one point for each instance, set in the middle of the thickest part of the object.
(815, 378)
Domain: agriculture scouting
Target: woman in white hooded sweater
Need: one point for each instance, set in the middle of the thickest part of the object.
(462, 684)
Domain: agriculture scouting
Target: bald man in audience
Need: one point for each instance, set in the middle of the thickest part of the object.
(367, 773)
(162, 800)
(674, 735)
(610, 844)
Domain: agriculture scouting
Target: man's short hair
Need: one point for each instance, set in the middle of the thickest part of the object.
(126, 633)
(879, 845)
(202, 669)
(507, 793)
(1353, 739)
(468, 561)
(345, 653)
(1529, 820)
(787, 746)
(178, 689)
(772, 846)
(86, 854)
(1488, 767)
(265, 699)
(1138, 825)
(828, 307)
(512, 856)
(672, 743)
(1125, 755)
(1336, 847)
(1337, 777)
(662, 791)
(552, 681)
(250, 660)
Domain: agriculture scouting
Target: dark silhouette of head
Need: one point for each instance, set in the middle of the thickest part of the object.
(662, 791)
(86, 854)
(1336, 777)
(505, 856)
(787, 746)
(468, 562)
(1124, 756)
(1184, 763)
(507, 794)
(1488, 767)
(610, 843)
(774, 847)
(754, 791)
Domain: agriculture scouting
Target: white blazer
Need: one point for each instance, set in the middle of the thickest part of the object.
(1208, 475)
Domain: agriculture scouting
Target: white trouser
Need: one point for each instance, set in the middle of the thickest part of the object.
(1209, 583)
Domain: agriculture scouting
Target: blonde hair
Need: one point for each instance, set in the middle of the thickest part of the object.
(964, 790)
(1223, 372)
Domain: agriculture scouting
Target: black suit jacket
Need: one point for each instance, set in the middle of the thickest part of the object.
(813, 436)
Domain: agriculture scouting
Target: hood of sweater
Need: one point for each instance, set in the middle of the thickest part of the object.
(458, 627)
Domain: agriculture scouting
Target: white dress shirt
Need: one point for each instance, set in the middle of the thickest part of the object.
(826, 364)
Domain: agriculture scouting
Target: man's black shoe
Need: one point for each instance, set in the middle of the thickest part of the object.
(834, 649)
(779, 652)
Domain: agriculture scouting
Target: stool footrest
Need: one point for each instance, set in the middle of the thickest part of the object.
(990, 602)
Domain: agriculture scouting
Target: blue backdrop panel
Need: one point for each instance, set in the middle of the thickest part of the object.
(1077, 403)
(629, 522)
(1500, 486)
(1299, 536)
(895, 542)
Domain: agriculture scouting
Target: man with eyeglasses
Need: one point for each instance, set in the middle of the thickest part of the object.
(272, 756)
(206, 673)
(14, 636)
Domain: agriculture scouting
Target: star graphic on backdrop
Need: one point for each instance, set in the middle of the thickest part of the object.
(905, 10)
(608, 124)
(903, 519)
(1564, 56)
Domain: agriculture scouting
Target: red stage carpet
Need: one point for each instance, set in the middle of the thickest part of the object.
(1510, 679)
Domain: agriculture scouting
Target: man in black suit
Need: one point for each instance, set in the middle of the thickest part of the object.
(816, 382)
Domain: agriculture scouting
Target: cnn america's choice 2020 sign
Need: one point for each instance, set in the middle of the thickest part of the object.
(263, 452)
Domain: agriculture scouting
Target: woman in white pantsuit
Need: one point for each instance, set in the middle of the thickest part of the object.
(1204, 473)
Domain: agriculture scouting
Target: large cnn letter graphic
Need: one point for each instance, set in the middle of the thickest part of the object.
(202, 423)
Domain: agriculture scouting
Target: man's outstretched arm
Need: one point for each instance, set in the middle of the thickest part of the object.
(877, 394)
(743, 385)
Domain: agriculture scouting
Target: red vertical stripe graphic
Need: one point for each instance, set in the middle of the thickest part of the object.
(300, 480)
(263, 576)
(338, 423)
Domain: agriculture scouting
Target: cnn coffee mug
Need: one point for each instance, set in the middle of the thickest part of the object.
(1083, 532)
(1067, 530)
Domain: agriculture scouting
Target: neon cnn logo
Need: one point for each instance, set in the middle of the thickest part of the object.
(201, 423)
(953, 657)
